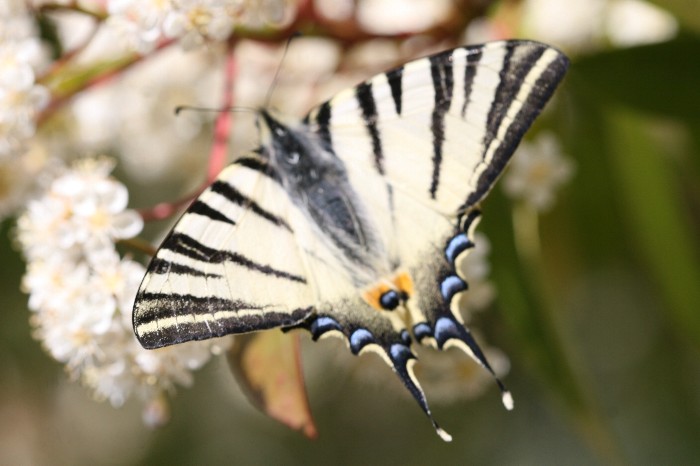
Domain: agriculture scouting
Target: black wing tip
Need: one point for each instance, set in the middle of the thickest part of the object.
(535, 44)
(154, 340)
(560, 63)
(149, 341)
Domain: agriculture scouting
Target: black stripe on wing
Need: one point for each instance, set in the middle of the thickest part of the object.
(200, 207)
(473, 57)
(368, 106)
(509, 81)
(443, 82)
(512, 74)
(323, 121)
(259, 165)
(395, 80)
(162, 319)
(236, 197)
(161, 266)
(187, 246)
(187, 304)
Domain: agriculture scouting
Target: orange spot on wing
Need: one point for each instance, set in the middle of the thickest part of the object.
(373, 294)
(404, 282)
(400, 282)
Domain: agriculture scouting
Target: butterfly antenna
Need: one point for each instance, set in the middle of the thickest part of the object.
(181, 108)
(275, 78)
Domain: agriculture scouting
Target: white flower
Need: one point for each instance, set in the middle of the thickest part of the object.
(20, 97)
(585, 24)
(83, 212)
(401, 16)
(537, 170)
(139, 22)
(134, 116)
(633, 22)
(81, 292)
(97, 205)
(571, 23)
(193, 22)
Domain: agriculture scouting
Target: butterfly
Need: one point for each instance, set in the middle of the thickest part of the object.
(353, 221)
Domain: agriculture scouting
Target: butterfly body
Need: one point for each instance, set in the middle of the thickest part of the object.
(354, 221)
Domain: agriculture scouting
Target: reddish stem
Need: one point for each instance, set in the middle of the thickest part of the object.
(68, 57)
(222, 127)
(217, 155)
(73, 6)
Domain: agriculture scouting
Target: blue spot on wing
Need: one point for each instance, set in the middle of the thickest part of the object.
(359, 339)
(422, 330)
(450, 286)
(323, 324)
(405, 337)
(446, 328)
(390, 300)
(455, 247)
(400, 354)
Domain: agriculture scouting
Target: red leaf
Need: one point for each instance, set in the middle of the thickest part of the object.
(267, 365)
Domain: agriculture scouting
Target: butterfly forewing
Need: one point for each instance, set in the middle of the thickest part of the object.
(443, 127)
(353, 222)
(204, 282)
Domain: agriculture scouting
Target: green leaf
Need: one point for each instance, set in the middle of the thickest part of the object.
(660, 227)
(660, 78)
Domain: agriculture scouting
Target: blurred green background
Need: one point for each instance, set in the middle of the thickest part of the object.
(601, 321)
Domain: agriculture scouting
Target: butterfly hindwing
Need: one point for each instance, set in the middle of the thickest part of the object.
(354, 222)
(427, 141)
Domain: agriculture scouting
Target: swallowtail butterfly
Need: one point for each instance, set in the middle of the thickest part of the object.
(353, 221)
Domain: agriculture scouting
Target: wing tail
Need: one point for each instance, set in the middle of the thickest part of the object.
(365, 330)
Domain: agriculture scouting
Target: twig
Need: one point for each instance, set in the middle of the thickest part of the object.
(58, 102)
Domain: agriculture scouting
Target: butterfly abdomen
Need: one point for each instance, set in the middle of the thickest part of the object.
(317, 182)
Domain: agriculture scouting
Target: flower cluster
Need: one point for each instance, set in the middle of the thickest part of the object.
(21, 98)
(144, 23)
(82, 292)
